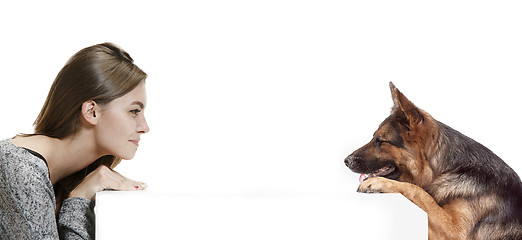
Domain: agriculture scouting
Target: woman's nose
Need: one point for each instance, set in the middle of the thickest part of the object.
(143, 127)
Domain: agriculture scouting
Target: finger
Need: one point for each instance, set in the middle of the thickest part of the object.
(113, 180)
(125, 184)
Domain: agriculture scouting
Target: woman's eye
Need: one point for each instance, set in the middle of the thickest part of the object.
(135, 111)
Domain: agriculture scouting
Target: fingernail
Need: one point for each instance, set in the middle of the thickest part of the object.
(141, 186)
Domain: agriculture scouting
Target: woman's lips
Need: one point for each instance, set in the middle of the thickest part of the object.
(135, 142)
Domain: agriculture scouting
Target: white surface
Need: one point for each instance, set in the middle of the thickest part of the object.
(145, 215)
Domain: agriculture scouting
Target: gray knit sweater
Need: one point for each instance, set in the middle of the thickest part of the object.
(27, 201)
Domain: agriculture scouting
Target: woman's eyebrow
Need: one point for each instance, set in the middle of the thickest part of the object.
(138, 103)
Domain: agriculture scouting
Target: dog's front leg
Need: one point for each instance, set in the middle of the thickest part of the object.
(441, 225)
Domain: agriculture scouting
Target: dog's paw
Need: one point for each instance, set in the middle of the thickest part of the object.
(377, 185)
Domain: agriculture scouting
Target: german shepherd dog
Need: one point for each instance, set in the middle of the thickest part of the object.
(466, 190)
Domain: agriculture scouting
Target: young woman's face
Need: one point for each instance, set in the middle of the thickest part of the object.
(121, 124)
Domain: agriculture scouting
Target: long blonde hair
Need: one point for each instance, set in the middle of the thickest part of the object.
(102, 73)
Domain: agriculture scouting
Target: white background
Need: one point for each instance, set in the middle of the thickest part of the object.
(271, 96)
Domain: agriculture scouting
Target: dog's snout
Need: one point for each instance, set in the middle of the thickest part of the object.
(349, 161)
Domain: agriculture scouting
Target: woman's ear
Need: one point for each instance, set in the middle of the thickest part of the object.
(89, 109)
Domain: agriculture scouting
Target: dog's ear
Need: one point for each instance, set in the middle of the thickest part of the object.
(405, 111)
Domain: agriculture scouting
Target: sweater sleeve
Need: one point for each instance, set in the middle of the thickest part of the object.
(76, 219)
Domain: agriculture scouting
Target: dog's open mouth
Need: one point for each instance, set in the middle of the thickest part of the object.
(379, 173)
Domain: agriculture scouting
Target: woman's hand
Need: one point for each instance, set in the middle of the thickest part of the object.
(104, 178)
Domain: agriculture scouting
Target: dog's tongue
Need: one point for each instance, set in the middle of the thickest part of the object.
(362, 177)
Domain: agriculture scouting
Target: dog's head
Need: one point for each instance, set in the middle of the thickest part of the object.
(400, 147)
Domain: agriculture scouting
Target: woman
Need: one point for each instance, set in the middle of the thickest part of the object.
(91, 119)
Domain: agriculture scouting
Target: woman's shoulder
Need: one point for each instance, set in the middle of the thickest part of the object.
(19, 162)
(7, 147)
(27, 194)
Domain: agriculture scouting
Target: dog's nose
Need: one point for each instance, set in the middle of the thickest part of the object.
(349, 161)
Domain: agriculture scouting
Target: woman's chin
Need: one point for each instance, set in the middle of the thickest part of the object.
(127, 155)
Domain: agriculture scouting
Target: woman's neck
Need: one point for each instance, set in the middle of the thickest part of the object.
(64, 156)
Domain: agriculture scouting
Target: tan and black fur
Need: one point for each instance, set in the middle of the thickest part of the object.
(466, 190)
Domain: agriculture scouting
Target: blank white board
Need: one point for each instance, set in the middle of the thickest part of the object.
(146, 215)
